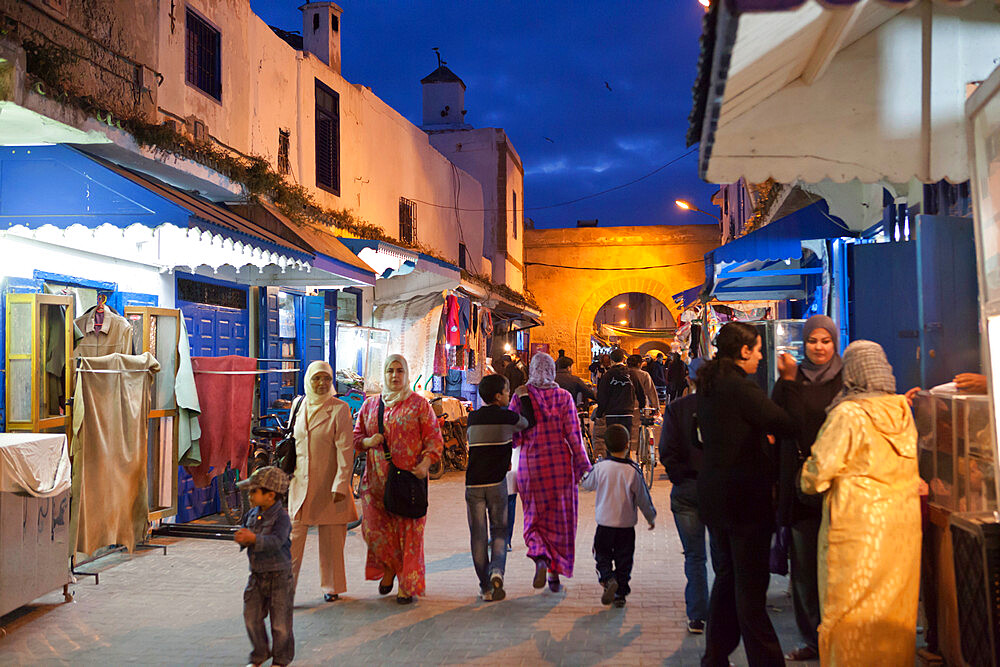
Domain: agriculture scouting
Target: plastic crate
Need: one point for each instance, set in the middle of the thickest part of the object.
(976, 553)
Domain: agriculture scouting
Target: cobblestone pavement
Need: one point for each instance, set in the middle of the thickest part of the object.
(185, 607)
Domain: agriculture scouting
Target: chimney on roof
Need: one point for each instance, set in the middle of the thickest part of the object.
(321, 32)
(586, 223)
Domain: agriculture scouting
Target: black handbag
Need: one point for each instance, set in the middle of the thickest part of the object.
(284, 452)
(405, 494)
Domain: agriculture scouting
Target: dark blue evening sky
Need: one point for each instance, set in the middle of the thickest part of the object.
(538, 70)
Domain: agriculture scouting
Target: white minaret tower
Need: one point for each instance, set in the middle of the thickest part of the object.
(444, 100)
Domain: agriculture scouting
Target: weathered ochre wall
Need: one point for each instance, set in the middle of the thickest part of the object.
(570, 298)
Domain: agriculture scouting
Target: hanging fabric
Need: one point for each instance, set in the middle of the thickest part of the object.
(225, 395)
(188, 407)
(453, 332)
(110, 502)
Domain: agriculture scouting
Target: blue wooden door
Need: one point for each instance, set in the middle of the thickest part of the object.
(310, 339)
(883, 304)
(270, 347)
(948, 303)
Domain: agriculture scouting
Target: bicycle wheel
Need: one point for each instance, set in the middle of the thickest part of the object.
(646, 456)
(436, 470)
(360, 461)
(588, 444)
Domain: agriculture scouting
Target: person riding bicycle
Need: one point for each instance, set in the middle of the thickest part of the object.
(617, 393)
(580, 390)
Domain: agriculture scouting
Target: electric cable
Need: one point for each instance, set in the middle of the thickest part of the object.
(578, 199)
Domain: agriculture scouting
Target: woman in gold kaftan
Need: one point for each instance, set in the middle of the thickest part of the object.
(864, 459)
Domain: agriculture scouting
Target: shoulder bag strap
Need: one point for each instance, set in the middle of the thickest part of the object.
(381, 429)
(295, 412)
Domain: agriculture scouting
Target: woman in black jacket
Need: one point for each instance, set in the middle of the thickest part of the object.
(816, 383)
(735, 492)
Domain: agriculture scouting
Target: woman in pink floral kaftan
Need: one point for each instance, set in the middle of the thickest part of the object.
(551, 463)
(395, 544)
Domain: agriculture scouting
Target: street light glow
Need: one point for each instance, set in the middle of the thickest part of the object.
(621, 305)
(705, 3)
(682, 204)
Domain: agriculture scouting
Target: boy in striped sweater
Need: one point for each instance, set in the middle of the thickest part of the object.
(491, 433)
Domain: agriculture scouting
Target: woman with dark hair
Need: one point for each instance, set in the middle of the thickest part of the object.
(806, 398)
(735, 491)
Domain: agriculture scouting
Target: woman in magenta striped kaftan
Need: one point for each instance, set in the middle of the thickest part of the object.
(551, 463)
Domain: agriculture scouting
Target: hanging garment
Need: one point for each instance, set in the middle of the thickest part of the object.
(110, 503)
(188, 407)
(453, 332)
(413, 327)
(225, 394)
(113, 336)
(34, 463)
(464, 319)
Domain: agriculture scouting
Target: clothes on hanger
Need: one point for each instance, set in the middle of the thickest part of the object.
(114, 335)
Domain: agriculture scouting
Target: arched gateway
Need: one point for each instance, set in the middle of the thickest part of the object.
(574, 271)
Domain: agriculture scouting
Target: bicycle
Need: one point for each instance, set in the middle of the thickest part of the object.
(357, 474)
(234, 503)
(646, 453)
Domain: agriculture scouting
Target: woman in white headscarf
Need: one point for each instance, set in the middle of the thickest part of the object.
(320, 490)
(411, 433)
(552, 461)
(865, 458)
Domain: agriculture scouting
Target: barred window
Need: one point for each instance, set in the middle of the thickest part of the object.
(203, 56)
(284, 137)
(407, 220)
(514, 209)
(461, 255)
(327, 139)
(196, 291)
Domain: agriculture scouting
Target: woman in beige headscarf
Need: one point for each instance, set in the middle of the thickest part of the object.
(865, 458)
(411, 432)
(320, 490)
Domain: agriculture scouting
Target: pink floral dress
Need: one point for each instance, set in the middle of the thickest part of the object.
(412, 431)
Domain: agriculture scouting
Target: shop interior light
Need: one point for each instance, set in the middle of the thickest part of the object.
(623, 322)
(622, 305)
(506, 347)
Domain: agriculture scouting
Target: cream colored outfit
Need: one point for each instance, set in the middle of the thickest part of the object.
(324, 460)
(115, 335)
(869, 541)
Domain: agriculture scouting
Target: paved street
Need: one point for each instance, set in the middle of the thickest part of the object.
(186, 608)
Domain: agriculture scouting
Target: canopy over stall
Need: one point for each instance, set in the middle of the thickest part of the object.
(60, 196)
(852, 89)
(403, 274)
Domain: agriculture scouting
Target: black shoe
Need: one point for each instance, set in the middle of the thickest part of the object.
(404, 599)
(554, 584)
(610, 588)
(802, 653)
(330, 597)
(498, 592)
(696, 627)
(619, 602)
(385, 589)
(541, 569)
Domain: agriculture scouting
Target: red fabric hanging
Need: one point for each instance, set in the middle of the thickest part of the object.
(226, 411)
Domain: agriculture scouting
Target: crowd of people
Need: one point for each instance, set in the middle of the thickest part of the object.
(829, 458)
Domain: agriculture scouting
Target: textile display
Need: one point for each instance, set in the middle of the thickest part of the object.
(413, 330)
(225, 393)
(453, 331)
(34, 463)
(110, 502)
(188, 407)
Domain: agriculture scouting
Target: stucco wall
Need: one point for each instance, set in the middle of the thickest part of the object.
(267, 85)
(572, 297)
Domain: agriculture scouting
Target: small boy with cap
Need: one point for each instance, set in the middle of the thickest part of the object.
(266, 535)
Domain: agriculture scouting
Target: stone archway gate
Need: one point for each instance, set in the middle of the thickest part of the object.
(574, 271)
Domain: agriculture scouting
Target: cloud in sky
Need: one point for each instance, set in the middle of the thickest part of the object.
(592, 94)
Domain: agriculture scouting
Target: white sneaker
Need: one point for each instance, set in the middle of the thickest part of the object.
(487, 595)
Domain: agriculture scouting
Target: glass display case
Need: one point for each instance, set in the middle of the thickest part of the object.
(157, 330)
(361, 353)
(956, 454)
(777, 337)
(39, 345)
